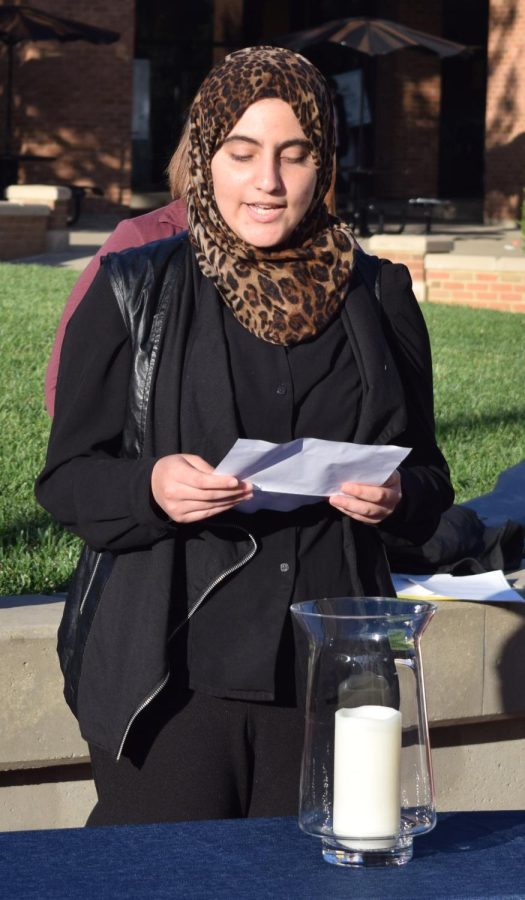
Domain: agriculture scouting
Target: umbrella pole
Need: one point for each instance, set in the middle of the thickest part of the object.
(361, 133)
(8, 100)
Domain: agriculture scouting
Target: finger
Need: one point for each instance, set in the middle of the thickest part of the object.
(364, 512)
(187, 493)
(209, 481)
(382, 496)
(213, 478)
(370, 492)
(197, 462)
(195, 514)
(201, 465)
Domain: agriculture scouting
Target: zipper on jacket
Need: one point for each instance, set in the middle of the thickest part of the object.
(193, 609)
(90, 582)
(216, 581)
(138, 711)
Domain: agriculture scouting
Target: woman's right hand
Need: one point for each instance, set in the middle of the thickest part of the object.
(188, 490)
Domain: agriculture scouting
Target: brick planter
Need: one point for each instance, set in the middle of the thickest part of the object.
(487, 282)
(23, 229)
(411, 250)
(440, 276)
(57, 198)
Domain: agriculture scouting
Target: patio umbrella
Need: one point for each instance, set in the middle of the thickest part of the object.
(375, 37)
(26, 23)
(372, 37)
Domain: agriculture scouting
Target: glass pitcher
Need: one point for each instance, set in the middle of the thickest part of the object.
(366, 778)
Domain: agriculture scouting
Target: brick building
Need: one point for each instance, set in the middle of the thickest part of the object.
(453, 129)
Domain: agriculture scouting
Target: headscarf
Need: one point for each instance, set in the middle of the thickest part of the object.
(282, 295)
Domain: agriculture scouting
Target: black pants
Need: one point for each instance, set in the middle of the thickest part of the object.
(201, 757)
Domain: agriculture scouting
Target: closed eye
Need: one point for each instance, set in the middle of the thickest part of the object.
(295, 159)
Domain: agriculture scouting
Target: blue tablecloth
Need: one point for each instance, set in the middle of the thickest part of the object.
(468, 855)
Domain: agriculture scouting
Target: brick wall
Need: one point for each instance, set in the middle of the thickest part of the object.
(23, 230)
(408, 96)
(73, 101)
(481, 282)
(505, 111)
(442, 276)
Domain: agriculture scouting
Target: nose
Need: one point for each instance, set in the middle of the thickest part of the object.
(268, 174)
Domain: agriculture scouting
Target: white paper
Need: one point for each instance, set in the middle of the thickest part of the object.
(488, 586)
(286, 476)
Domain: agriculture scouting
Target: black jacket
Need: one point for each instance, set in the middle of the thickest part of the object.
(113, 640)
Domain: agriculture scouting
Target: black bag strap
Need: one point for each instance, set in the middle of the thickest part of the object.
(369, 268)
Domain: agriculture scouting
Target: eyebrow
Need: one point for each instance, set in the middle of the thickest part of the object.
(294, 142)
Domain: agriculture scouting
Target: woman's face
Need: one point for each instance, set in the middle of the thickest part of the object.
(264, 175)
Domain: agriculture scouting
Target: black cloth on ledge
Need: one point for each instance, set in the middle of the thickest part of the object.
(462, 545)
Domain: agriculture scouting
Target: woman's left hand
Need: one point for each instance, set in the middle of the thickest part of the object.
(368, 503)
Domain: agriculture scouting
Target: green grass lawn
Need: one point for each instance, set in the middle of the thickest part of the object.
(479, 386)
(480, 400)
(35, 554)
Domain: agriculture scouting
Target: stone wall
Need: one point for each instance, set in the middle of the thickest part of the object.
(474, 659)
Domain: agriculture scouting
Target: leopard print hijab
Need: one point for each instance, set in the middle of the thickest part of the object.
(287, 294)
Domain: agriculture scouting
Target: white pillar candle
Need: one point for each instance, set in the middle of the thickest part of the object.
(367, 755)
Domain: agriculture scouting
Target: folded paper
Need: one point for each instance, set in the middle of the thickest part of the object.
(488, 586)
(286, 476)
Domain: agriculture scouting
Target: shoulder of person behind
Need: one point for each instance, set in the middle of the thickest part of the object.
(152, 226)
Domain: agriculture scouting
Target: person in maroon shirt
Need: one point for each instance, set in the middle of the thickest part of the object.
(160, 223)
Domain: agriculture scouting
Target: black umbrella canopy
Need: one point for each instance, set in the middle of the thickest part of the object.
(372, 37)
(26, 23)
(375, 37)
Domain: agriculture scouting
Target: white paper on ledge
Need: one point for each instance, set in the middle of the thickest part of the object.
(286, 476)
(491, 587)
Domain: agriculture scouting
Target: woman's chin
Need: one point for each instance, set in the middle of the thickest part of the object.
(264, 236)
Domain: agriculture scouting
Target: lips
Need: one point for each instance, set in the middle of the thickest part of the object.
(264, 212)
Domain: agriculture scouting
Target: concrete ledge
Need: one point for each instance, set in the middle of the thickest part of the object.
(34, 192)
(474, 659)
(147, 200)
(37, 728)
(62, 802)
(420, 290)
(9, 208)
(57, 240)
(456, 261)
(479, 765)
(419, 244)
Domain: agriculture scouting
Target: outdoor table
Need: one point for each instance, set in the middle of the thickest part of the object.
(479, 854)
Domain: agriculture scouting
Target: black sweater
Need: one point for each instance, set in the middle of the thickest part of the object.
(107, 500)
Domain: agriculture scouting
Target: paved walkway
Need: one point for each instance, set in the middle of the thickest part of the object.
(469, 239)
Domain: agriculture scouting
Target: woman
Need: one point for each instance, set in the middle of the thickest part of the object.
(176, 643)
(159, 223)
